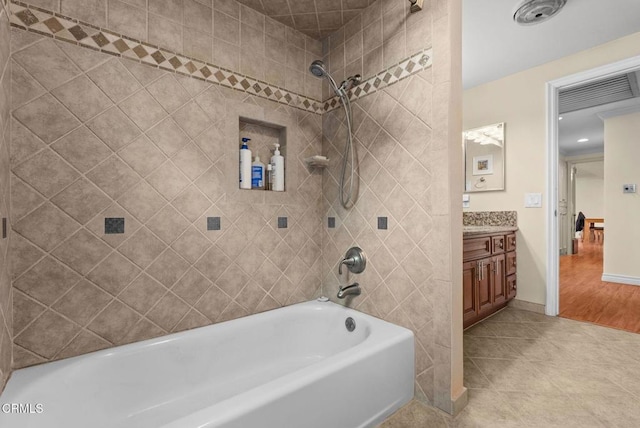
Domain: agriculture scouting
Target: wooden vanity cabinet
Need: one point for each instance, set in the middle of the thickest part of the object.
(489, 280)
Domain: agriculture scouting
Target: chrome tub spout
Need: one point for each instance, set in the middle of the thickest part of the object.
(352, 290)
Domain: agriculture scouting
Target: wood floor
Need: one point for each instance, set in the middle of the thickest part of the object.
(584, 297)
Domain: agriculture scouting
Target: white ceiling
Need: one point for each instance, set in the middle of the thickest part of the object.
(493, 46)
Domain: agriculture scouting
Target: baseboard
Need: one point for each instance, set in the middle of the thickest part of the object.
(621, 279)
(527, 306)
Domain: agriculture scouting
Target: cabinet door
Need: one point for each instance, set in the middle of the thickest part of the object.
(469, 292)
(511, 287)
(485, 295)
(498, 280)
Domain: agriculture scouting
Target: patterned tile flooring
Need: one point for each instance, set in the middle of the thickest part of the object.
(528, 370)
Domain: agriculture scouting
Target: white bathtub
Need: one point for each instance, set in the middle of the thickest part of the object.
(295, 367)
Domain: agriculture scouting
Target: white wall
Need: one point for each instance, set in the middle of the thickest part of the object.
(621, 213)
(519, 100)
(590, 189)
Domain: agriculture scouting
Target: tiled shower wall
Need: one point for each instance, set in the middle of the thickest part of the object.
(403, 216)
(96, 138)
(225, 32)
(382, 35)
(5, 279)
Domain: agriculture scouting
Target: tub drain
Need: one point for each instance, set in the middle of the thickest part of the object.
(350, 323)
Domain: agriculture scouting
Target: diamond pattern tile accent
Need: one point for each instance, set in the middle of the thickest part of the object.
(67, 29)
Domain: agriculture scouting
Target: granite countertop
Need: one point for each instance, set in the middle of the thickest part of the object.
(483, 230)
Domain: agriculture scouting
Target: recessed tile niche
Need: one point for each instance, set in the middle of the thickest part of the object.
(264, 136)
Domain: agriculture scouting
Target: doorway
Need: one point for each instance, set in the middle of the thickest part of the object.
(587, 297)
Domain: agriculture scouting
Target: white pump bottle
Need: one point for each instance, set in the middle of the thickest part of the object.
(277, 162)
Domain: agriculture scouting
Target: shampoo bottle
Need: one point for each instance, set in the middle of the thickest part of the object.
(245, 165)
(257, 174)
(277, 163)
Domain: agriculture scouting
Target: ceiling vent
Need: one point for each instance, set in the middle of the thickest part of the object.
(610, 90)
(536, 11)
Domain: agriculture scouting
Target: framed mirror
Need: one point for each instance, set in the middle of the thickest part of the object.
(484, 158)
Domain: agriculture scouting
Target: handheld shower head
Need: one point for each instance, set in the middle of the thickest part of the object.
(318, 69)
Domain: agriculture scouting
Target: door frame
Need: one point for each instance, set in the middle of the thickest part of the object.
(553, 87)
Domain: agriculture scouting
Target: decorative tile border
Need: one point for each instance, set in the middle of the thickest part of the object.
(73, 31)
(412, 65)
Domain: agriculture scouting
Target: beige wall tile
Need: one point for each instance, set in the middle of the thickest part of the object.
(92, 11)
(165, 33)
(198, 16)
(170, 9)
(127, 19)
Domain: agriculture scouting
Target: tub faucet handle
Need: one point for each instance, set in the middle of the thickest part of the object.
(355, 260)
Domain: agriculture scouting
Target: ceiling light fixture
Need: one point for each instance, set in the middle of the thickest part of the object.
(560, 118)
(583, 140)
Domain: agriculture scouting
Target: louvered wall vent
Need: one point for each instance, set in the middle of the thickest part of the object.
(604, 91)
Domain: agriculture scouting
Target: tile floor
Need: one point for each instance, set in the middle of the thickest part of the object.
(528, 370)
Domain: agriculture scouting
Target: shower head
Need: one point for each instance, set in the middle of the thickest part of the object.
(318, 69)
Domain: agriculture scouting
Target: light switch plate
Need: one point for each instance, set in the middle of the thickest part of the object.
(533, 200)
(465, 200)
(628, 188)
